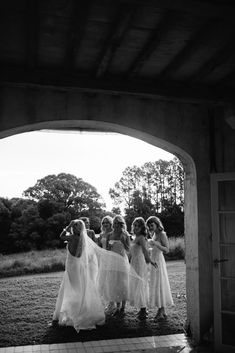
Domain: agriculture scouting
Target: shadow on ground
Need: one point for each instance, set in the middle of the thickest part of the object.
(126, 327)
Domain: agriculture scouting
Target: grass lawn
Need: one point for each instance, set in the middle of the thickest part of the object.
(27, 304)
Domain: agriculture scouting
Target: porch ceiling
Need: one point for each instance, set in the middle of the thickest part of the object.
(167, 48)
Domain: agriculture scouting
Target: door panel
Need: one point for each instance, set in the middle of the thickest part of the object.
(227, 295)
(228, 337)
(226, 195)
(227, 227)
(223, 235)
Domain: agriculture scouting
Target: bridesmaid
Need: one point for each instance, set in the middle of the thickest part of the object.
(119, 241)
(90, 232)
(159, 289)
(106, 228)
(78, 302)
(139, 259)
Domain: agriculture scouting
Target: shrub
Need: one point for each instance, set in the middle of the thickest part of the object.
(176, 248)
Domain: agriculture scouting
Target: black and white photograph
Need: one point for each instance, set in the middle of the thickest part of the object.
(117, 177)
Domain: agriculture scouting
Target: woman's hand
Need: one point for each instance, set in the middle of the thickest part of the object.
(157, 243)
(151, 242)
(154, 264)
(67, 231)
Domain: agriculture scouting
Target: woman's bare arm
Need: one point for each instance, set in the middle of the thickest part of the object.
(163, 245)
(126, 241)
(143, 244)
(66, 233)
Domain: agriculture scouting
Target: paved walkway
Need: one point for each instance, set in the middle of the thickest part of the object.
(159, 344)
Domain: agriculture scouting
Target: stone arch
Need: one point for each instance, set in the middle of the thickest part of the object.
(191, 206)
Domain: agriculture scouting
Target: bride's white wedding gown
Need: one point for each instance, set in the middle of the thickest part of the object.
(78, 302)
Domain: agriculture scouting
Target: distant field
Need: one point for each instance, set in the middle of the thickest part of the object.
(32, 262)
(54, 260)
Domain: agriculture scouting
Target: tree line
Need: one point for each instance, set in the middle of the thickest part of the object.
(35, 220)
(155, 188)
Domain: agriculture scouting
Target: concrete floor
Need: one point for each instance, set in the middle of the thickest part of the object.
(178, 343)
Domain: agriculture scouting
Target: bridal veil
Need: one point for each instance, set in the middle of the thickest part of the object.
(86, 286)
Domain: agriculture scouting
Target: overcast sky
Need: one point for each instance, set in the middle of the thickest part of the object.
(97, 158)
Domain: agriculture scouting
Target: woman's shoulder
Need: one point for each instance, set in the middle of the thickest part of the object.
(126, 235)
(162, 235)
(90, 231)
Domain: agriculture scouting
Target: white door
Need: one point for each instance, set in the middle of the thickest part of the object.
(223, 240)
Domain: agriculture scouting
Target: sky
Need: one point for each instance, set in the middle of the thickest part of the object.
(97, 158)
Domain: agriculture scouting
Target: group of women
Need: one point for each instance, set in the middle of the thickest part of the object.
(112, 269)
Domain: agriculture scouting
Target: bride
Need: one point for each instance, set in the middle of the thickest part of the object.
(79, 302)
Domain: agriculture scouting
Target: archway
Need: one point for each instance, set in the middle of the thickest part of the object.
(191, 218)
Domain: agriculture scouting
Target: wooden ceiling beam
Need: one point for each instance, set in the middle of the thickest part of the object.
(195, 42)
(195, 7)
(221, 56)
(227, 79)
(117, 30)
(32, 33)
(206, 8)
(167, 90)
(168, 20)
(79, 18)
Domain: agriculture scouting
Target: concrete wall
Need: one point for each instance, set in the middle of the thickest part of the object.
(183, 129)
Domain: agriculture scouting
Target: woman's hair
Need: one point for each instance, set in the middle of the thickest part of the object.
(120, 220)
(84, 219)
(82, 225)
(141, 222)
(108, 219)
(157, 221)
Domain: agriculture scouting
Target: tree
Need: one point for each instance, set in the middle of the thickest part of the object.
(36, 221)
(26, 226)
(122, 193)
(67, 192)
(140, 207)
(173, 219)
(155, 188)
(46, 208)
(5, 223)
(160, 182)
